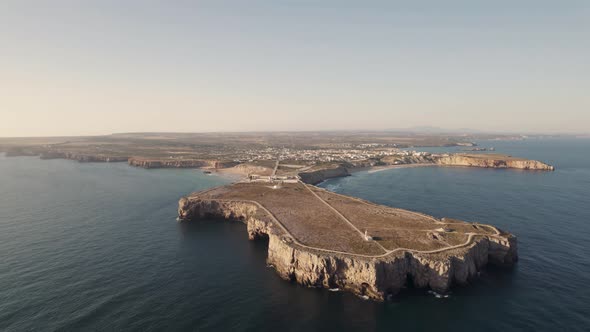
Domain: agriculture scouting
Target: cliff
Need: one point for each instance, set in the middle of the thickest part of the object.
(470, 160)
(179, 163)
(492, 161)
(376, 276)
(317, 176)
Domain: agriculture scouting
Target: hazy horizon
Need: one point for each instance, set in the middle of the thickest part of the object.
(443, 131)
(103, 67)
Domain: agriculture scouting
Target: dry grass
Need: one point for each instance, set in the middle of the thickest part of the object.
(396, 228)
(308, 220)
(314, 224)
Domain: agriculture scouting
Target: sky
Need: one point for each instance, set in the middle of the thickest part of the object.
(100, 67)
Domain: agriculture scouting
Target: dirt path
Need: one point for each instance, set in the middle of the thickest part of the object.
(342, 217)
(470, 235)
(387, 252)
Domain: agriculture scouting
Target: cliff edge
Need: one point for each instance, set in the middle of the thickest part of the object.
(319, 175)
(484, 160)
(322, 239)
(492, 161)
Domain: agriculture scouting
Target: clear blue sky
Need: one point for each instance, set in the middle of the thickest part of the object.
(96, 67)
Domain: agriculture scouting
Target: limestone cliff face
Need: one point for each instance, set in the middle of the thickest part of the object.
(379, 277)
(179, 163)
(491, 162)
(315, 177)
(457, 159)
(372, 277)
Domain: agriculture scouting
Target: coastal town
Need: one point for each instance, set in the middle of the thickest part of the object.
(326, 155)
(270, 157)
(241, 147)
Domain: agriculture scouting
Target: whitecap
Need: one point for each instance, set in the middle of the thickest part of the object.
(333, 187)
(438, 295)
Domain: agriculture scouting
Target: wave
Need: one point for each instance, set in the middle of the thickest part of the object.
(438, 295)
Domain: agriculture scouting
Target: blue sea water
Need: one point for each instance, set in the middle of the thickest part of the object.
(96, 247)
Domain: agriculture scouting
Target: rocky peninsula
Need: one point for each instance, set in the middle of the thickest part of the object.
(179, 163)
(318, 238)
(484, 160)
(491, 161)
(321, 173)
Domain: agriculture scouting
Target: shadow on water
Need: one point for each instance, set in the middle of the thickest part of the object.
(218, 233)
(221, 235)
(265, 292)
(233, 228)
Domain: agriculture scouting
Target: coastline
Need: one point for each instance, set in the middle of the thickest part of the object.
(239, 172)
(373, 268)
(220, 254)
(357, 272)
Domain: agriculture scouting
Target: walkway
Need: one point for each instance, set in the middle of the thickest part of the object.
(342, 216)
(274, 171)
(470, 235)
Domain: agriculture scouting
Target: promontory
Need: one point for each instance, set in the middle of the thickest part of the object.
(315, 237)
(318, 238)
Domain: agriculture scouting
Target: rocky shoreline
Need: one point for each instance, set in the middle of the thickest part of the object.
(179, 163)
(315, 175)
(492, 161)
(374, 277)
(451, 160)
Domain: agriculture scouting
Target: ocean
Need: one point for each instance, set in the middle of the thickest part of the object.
(95, 247)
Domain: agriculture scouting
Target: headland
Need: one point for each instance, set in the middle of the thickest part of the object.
(318, 238)
(315, 237)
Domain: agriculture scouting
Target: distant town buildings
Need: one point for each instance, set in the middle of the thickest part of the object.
(360, 152)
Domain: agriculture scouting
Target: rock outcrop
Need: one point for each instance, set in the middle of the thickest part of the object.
(317, 176)
(492, 161)
(180, 163)
(374, 277)
(470, 160)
